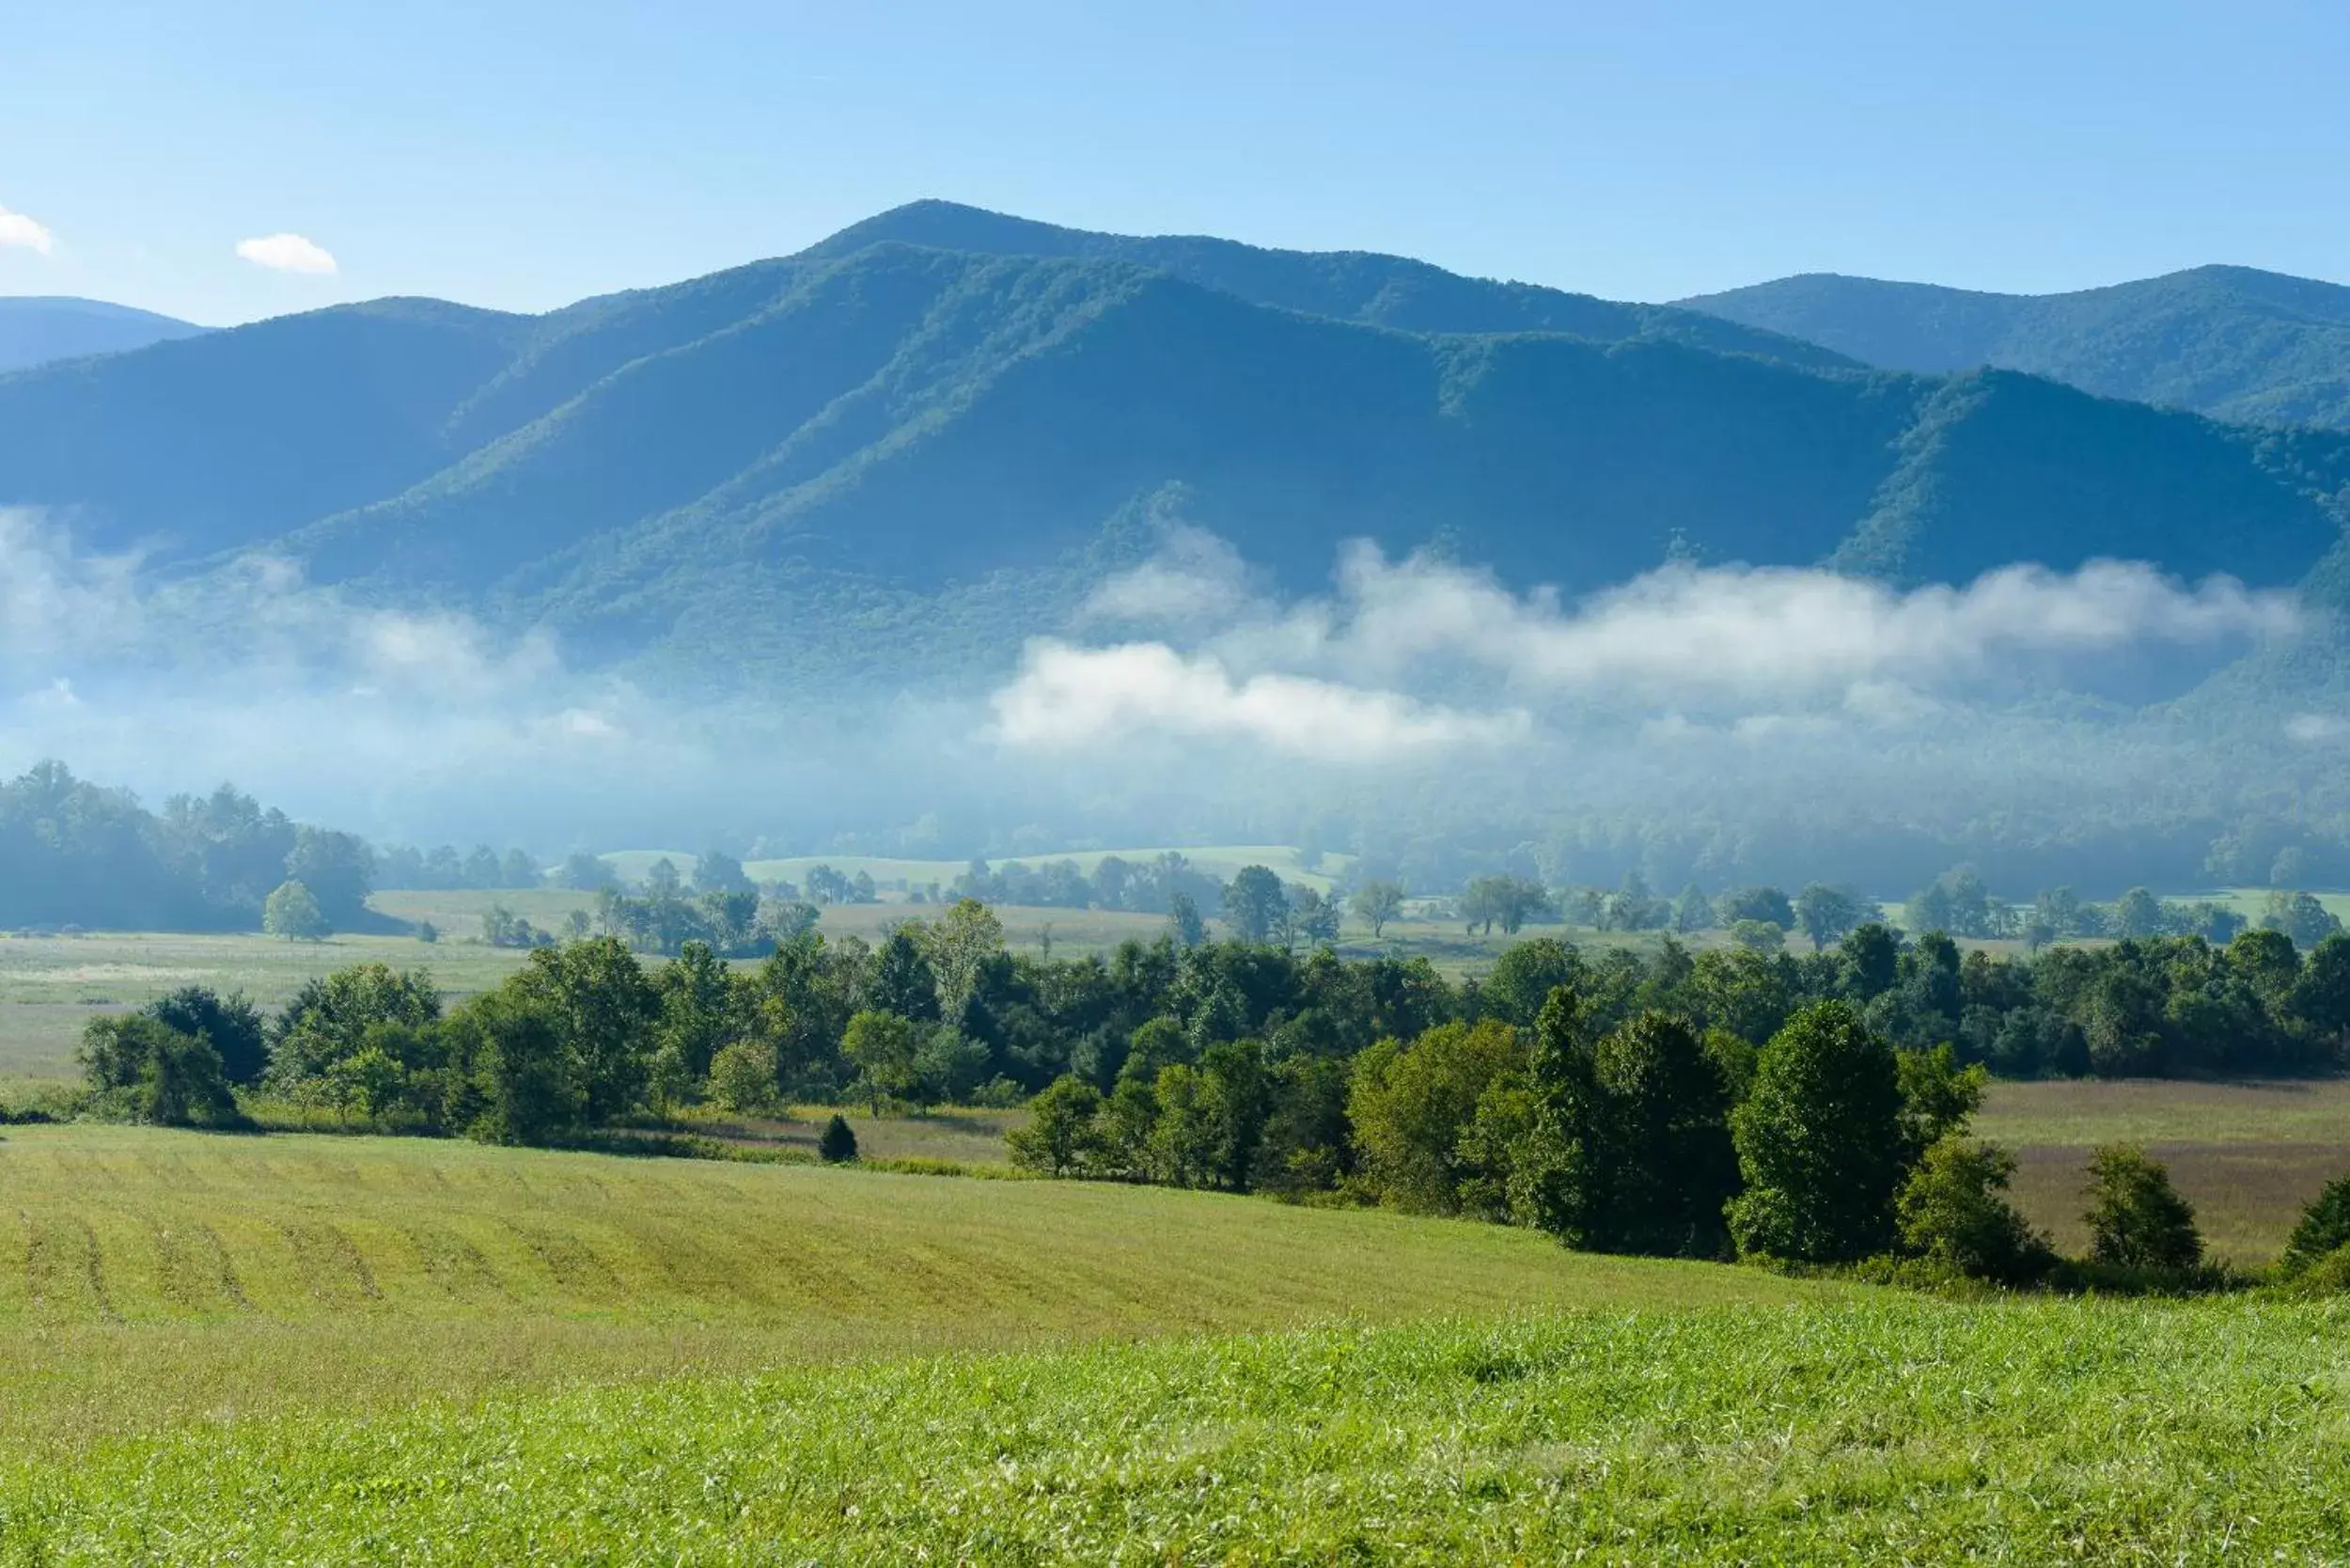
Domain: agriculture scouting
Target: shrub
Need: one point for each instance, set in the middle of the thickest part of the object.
(837, 1143)
(2137, 1220)
(2325, 1227)
(427, 931)
(1953, 1213)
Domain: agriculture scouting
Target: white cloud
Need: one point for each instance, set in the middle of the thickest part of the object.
(1193, 577)
(17, 231)
(1067, 697)
(286, 253)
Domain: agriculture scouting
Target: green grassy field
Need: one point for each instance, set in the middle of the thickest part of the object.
(1891, 1429)
(152, 1278)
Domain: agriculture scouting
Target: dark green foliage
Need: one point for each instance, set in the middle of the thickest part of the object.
(2137, 1220)
(1820, 1141)
(603, 1010)
(1062, 1135)
(2324, 1227)
(1954, 1213)
(524, 1077)
(1409, 1103)
(1524, 977)
(232, 1024)
(1560, 1185)
(1671, 1164)
(1255, 903)
(142, 1068)
(837, 1143)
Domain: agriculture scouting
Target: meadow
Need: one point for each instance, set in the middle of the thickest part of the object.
(152, 1278)
(1872, 1429)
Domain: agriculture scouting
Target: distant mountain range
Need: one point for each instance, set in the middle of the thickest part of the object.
(918, 442)
(2232, 342)
(37, 329)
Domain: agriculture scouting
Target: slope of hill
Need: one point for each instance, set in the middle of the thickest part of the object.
(886, 458)
(2232, 342)
(35, 329)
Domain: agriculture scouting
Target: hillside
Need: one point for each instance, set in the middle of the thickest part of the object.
(35, 329)
(880, 460)
(2232, 342)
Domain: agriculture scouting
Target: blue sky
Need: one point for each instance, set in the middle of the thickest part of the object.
(522, 155)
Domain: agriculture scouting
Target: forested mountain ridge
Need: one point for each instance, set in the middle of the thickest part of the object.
(2232, 342)
(37, 329)
(881, 457)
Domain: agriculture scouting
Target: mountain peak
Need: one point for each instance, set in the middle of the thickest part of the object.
(36, 329)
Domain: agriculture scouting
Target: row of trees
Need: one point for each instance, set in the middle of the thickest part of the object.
(444, 869)
(73, 854)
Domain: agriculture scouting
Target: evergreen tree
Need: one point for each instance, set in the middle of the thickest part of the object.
(2135, 1217)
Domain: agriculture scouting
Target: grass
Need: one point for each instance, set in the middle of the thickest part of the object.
(1881, 1428)
(152, 1278)
(51, 986)
(2249, 1155)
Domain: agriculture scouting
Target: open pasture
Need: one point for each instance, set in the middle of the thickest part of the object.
(51, 986)
(1883, 1428)
(2249, 1155)
(152, 1278)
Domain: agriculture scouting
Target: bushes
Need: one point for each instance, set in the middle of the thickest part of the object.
(2137, 1220)
(142, 1068)
(1952, 1213)
(2324, 1231)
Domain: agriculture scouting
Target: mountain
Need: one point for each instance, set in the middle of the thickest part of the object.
(2232, 342)
(36, 329)
(910, 446)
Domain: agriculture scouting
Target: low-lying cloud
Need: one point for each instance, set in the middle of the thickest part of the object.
(1405, 655)
(287, 253)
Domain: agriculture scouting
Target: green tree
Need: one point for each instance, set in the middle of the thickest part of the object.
(143, 1068)
(2138, 913)
(1825, 914)
(1183, 925)
(884, 1048)
(2321, 994)
(1694, 912)
(607, 1014)
(291, 913)
(743, 1077)
(1062, 1135)
(2324, 1228)
(716, 871)
(1819, 1141)
(1672, 1167)
(1527, 973)
(1410, 1104)
(521, 1069)
(1561, 1182)
(1761, 936)
(2135, 1217)
(1375, 904)
(231, 1023)
(1953, 1211)
(1255, 903)
(902, 982)
(837, 1143)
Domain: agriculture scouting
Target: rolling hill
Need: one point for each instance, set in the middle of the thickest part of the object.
(2232, 342)
(920, 440)
(35, 329)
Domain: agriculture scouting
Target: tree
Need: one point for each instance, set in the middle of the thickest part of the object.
(1062, 1135)
(1953, 1211)
(662, 881)
(1409, 1105)
(232, 1024)
(961, 947)
(2321, 993)
(1672, 1167)
(1870, 961)
(2324, 1228)
(2138, 913)
(1311, 916)
(1756, 904)
(837, 1143)
(605, 1010)
(1825, 914)
(1560, 1182)
(2301, 917)
(883, 1048)
(1693, 912)
(291, 913)
(1527, 973)
(518, 869)
(1183, 925)
(143, 1068)
(903, 980)
(584, 873)
(716, 871)
(1508, 901)
(1761, 936)
(2135, 1217)
(1375, 904)
(743, 1077)
(337, 869)
(1819, 1141)
(1255, 903)
(520, 1067)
